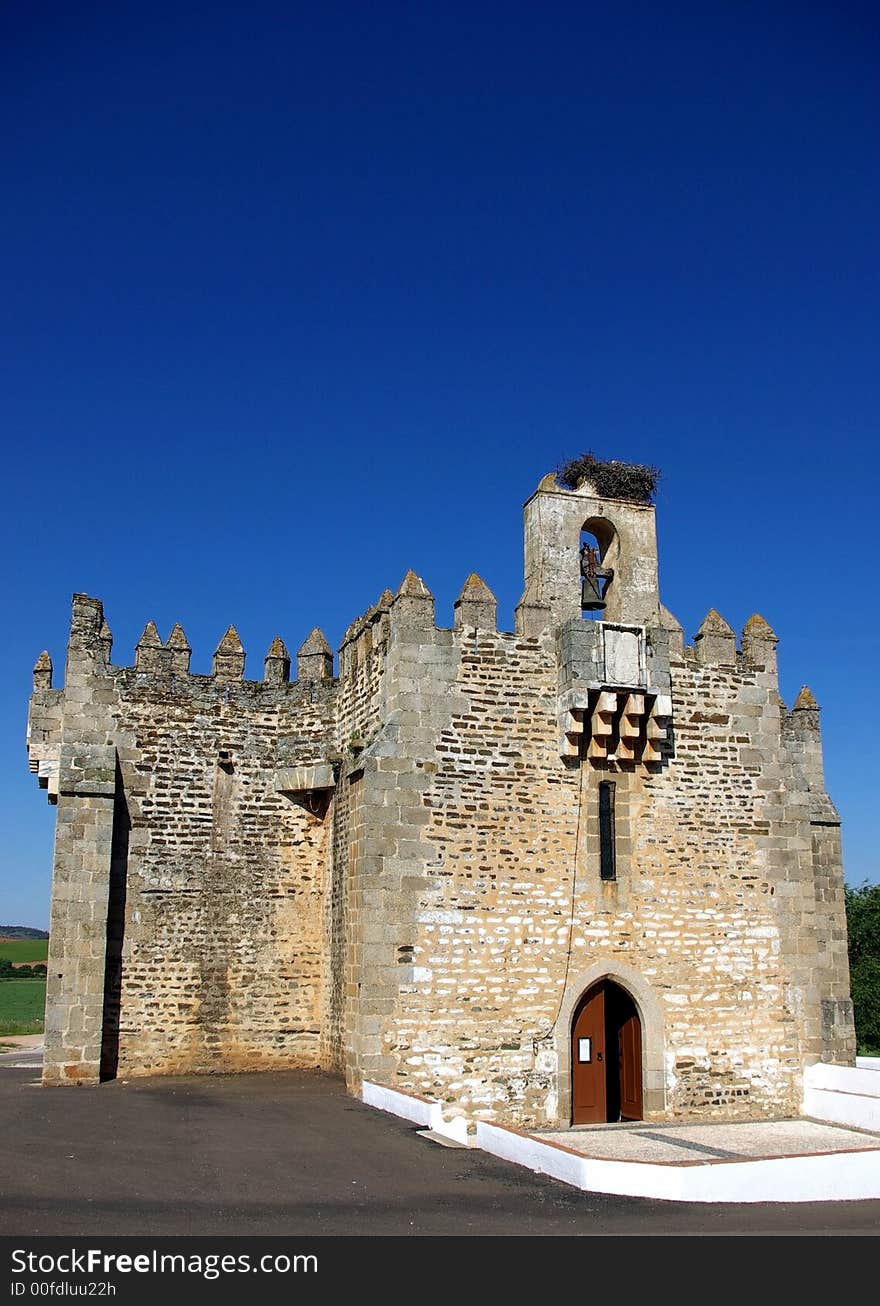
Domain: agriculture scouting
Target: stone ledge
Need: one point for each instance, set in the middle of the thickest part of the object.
(302, 779)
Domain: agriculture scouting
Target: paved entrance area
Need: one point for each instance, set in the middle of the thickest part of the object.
(292, 1155)
(720, 1142)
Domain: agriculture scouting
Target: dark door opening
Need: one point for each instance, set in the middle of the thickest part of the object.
(606, 1057)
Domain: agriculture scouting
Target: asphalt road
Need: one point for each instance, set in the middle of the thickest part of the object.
(291, 1155)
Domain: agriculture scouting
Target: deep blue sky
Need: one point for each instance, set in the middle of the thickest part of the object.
(296, 296)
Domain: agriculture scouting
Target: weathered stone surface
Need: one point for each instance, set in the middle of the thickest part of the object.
(301, 779)
(476, 605)
(395, 874)
(179, 651)
(43, 671)
(314, 660)
(276, 665)
(715, 641)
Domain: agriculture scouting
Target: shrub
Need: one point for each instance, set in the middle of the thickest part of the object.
(863, 927)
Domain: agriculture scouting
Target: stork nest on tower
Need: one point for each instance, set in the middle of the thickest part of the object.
(613, 480)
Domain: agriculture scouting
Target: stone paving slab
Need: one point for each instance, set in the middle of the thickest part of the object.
(716, 1142)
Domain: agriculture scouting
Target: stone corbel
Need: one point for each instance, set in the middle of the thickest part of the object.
(309, 785)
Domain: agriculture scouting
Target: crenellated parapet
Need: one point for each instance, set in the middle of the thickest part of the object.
(413, 605)
(161, 670)
(43, 671)
(180, 651)
(229, 657)
(715, 641)
(759, 641)
(276, 664)
(44, 727)
(476, 605)
(160, 662)
(150, 657)
(314, 659)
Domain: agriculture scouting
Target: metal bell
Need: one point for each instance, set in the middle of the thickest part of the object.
(591, 599)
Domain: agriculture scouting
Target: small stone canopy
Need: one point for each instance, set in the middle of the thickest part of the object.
(532, 616)
(413, 587)
(230, 643)
(314, 658)
(413, 606)
(756, 628)
(759, 642)
(476, 605)
(316, 642)
(43, 671)
(150, 637)
(674, 632)
(805, 702)
(278, 649)
(668, 621)
(229, 656)
(475, 590)
(179, 651)
(177, 639)
(715, 641)
(714, 624)
(277, 663)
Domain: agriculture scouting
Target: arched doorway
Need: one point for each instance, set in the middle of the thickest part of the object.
(606, 1056)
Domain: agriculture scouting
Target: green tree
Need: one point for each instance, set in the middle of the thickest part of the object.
(863, 924)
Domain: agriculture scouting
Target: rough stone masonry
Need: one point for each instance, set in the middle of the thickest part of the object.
(398, 872)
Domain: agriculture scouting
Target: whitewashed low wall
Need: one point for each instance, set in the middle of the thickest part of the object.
(842, 1095)
(420, 1110)
(841, 1176)
(823, 1177)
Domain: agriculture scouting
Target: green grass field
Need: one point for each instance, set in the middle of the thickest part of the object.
(21, 1006)
(29, 950)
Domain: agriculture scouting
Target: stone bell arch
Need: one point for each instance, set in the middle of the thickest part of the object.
(627, 535)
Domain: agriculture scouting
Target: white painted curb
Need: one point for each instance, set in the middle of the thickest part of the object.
(823, 1177)
(844, 1096)
(837, 1176)
(420, 1110)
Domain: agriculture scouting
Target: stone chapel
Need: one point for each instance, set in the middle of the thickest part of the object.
(576, 871)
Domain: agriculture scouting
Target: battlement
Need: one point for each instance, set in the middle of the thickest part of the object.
(163, 662)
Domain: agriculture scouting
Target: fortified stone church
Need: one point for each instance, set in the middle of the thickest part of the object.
(577, 871)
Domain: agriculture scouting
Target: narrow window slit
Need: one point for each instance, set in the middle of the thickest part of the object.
(607, 859)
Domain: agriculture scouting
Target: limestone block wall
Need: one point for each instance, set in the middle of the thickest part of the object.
(359, 720)
(224, 946)
(188, 927)
(490, 925)
(396, 874)
(480, 936)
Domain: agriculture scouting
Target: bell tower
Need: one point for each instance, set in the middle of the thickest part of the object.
(556, 520)
(591, 552)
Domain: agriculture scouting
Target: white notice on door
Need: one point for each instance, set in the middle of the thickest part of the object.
(583, 1049)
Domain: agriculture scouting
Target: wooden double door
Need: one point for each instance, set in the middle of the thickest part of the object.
(606, 1057)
